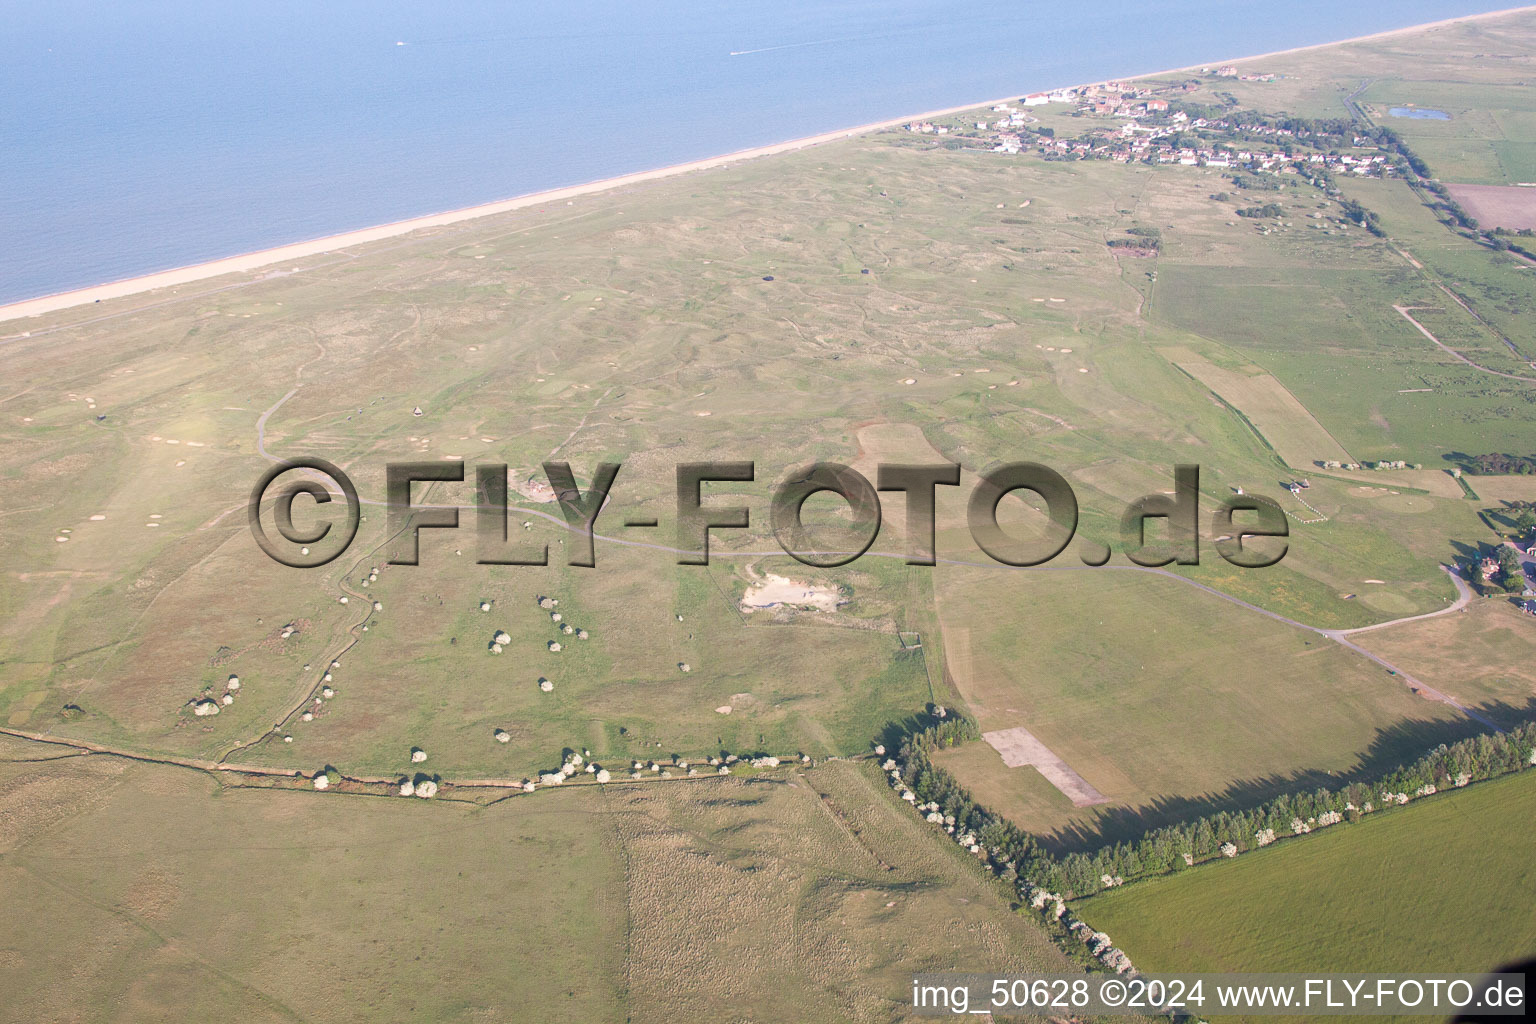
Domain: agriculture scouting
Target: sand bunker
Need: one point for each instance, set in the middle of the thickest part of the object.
(775, 591)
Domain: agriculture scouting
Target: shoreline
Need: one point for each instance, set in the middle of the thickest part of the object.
(262, 258)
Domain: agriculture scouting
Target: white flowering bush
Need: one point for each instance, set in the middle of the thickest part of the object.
(1264, 836)
(1117, 961)
(1228, 850)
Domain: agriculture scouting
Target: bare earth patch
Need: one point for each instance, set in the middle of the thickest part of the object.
(775, 591)
(1019, 747)
(1498, 206)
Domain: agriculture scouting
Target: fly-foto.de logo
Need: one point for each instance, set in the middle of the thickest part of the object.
(1234, 521)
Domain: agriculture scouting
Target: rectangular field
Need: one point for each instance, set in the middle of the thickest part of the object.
(1443, 885)
(1500, 206)
(1293, 432)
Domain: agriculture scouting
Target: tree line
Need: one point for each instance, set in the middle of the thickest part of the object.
(1496, 463)
(1019, 856)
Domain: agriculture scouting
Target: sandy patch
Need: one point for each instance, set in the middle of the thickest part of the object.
(774, 591)
(1019, 747)
(535, 489)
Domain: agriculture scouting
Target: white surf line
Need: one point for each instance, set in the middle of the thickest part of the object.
(331, 243)
(794, 46)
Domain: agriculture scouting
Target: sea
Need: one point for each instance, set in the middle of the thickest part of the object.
(137, 137)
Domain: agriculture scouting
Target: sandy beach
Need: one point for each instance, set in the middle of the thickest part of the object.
(263, 258)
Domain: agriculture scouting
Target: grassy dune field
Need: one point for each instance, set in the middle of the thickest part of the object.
(157, 892)
(894, 297)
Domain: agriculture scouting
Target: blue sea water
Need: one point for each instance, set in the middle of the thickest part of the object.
(140, 136)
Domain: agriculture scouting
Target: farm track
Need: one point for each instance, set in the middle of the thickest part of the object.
(1407, 314)
(513, 787)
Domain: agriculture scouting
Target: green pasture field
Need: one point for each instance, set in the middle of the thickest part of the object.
(1442, 885)
(1489, 139)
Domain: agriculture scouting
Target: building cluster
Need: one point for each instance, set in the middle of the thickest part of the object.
(1137, 144)
(1167, 143)
(1149, 133)
(1230, 71)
